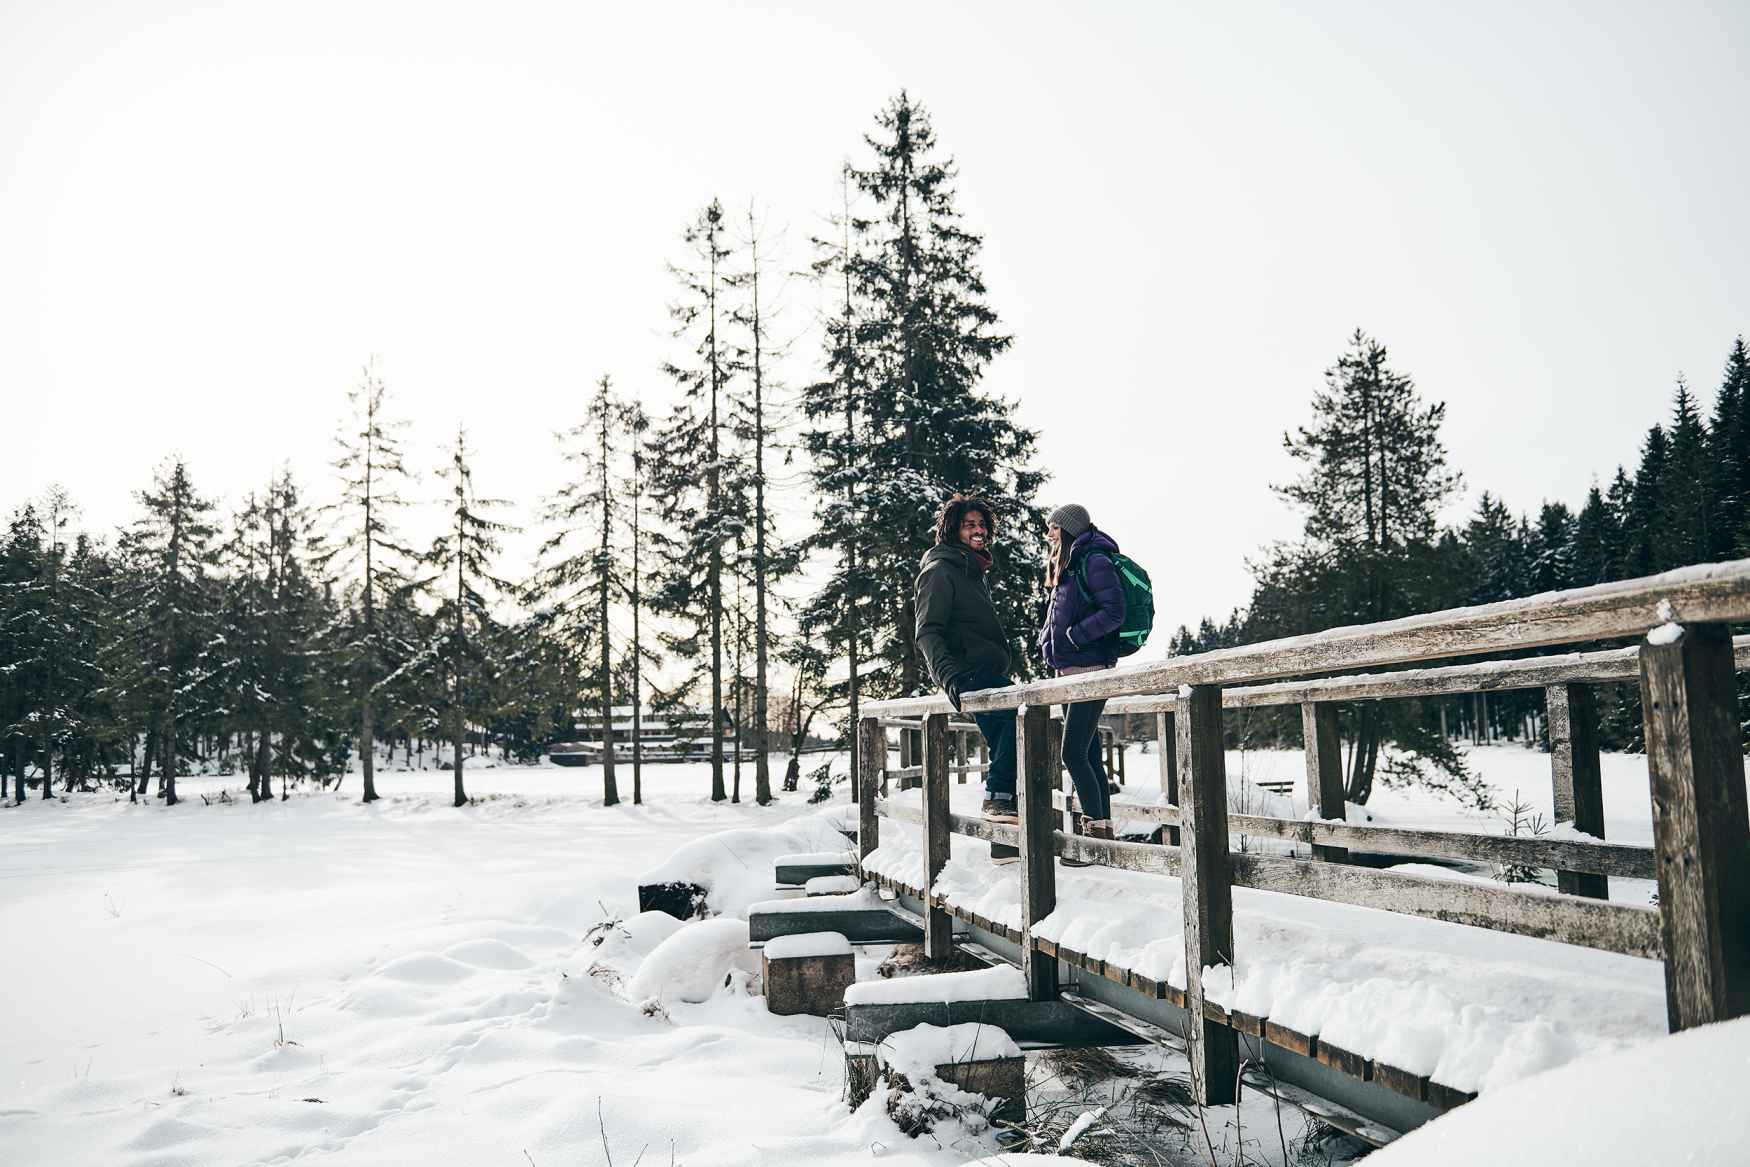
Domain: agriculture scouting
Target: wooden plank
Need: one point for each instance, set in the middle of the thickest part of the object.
(858, 925)
(871, 761)
(1575, 774)
(938, 932)
(1701, 829)
(1344, 1061)
(907, 706)
(1149, 858)
(1624, 928)
(1167, 741)
(1306, 1045)
(1246, 1022)
(908, 771)
(1605, 858)
(1035, 779)
(1710, 592)
(1444, 1097)
(1324, 770)
(1208, 895)
(1401, 1081)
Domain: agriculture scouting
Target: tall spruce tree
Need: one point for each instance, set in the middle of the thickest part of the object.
(577, 581)
(24, 632)
(635, 423)
(459, 563)
(1728, 457)
(1375, 477)
(696, 475)
(1643, 504)
(366, 548)
(767, 559)
(1592, 557)
(833, 432)
(927, 430)
(170, 609)
(1682, 518)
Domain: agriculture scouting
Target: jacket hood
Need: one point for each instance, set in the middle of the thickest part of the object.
(1093, 539)
(950, 553)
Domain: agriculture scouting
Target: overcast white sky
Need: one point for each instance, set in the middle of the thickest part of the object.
(210, 214)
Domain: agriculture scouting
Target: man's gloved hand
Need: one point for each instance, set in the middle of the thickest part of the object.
(955, 686)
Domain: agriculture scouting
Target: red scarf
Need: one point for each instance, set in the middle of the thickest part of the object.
(982, 557)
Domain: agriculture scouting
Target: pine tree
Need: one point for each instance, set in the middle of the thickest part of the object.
(1643, 549)
(696, 478)
(24, 631)
(768, 561)
(170, 612)
(1552, 549)
(273, 617)
(925, 340)
(460, 562)
(1375, 478)
(1592, 547)
(365, 547)
(636, 425)
(835, 416)
(1683, 513)
(1728, 458)
(576, 587)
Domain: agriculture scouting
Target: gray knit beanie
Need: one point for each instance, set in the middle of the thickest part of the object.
(1072, 518)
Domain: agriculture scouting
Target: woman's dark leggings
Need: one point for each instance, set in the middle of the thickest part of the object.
(1081, 754)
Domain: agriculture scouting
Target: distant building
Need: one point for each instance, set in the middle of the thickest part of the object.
(668, 735)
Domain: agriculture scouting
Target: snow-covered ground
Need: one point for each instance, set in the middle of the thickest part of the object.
(409, 982)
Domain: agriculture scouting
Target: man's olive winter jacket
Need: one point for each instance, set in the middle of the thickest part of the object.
(957, 625)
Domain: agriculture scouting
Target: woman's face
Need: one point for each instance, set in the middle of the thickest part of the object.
(1054, 533)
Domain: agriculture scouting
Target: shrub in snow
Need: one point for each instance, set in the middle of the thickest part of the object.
(616, 947)
(961, 1077)
(695, 962)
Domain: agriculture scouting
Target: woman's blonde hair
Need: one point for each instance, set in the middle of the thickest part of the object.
(1057, 549)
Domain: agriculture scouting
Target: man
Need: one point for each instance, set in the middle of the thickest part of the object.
(963, 642)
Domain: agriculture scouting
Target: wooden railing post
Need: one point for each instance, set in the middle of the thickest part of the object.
(1324, 770)
(872, 768)
(1701, 828)
(1167, 741)
(1033, 787)
(1571, 712)
(1054, 750)
(1206, 877)
(938, 924)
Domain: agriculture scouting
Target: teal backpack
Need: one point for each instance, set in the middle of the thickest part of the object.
(1139, 599)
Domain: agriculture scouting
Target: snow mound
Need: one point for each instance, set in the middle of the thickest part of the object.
(426, 968)
(999, 983)
(489, 953)
(1678, 1099)
(735, 867)
(805, 944)
(692, 964)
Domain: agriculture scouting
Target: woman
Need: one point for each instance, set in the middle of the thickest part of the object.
(1081, 635)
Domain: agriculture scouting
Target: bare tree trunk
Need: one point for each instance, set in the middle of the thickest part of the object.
(264, 762)
(610, 792)
(762, 781)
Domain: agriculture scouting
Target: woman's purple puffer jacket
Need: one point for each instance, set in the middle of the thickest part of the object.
(1080, 630)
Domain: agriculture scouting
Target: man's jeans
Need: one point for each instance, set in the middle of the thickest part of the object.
(998, 728)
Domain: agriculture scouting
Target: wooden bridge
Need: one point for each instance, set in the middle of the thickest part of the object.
(1700, 929)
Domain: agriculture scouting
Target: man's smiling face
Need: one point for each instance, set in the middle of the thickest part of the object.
(973, 531)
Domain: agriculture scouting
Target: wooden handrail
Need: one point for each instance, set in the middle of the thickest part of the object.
(1712, 593)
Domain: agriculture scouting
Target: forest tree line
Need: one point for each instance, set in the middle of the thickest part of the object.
(300, 628)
